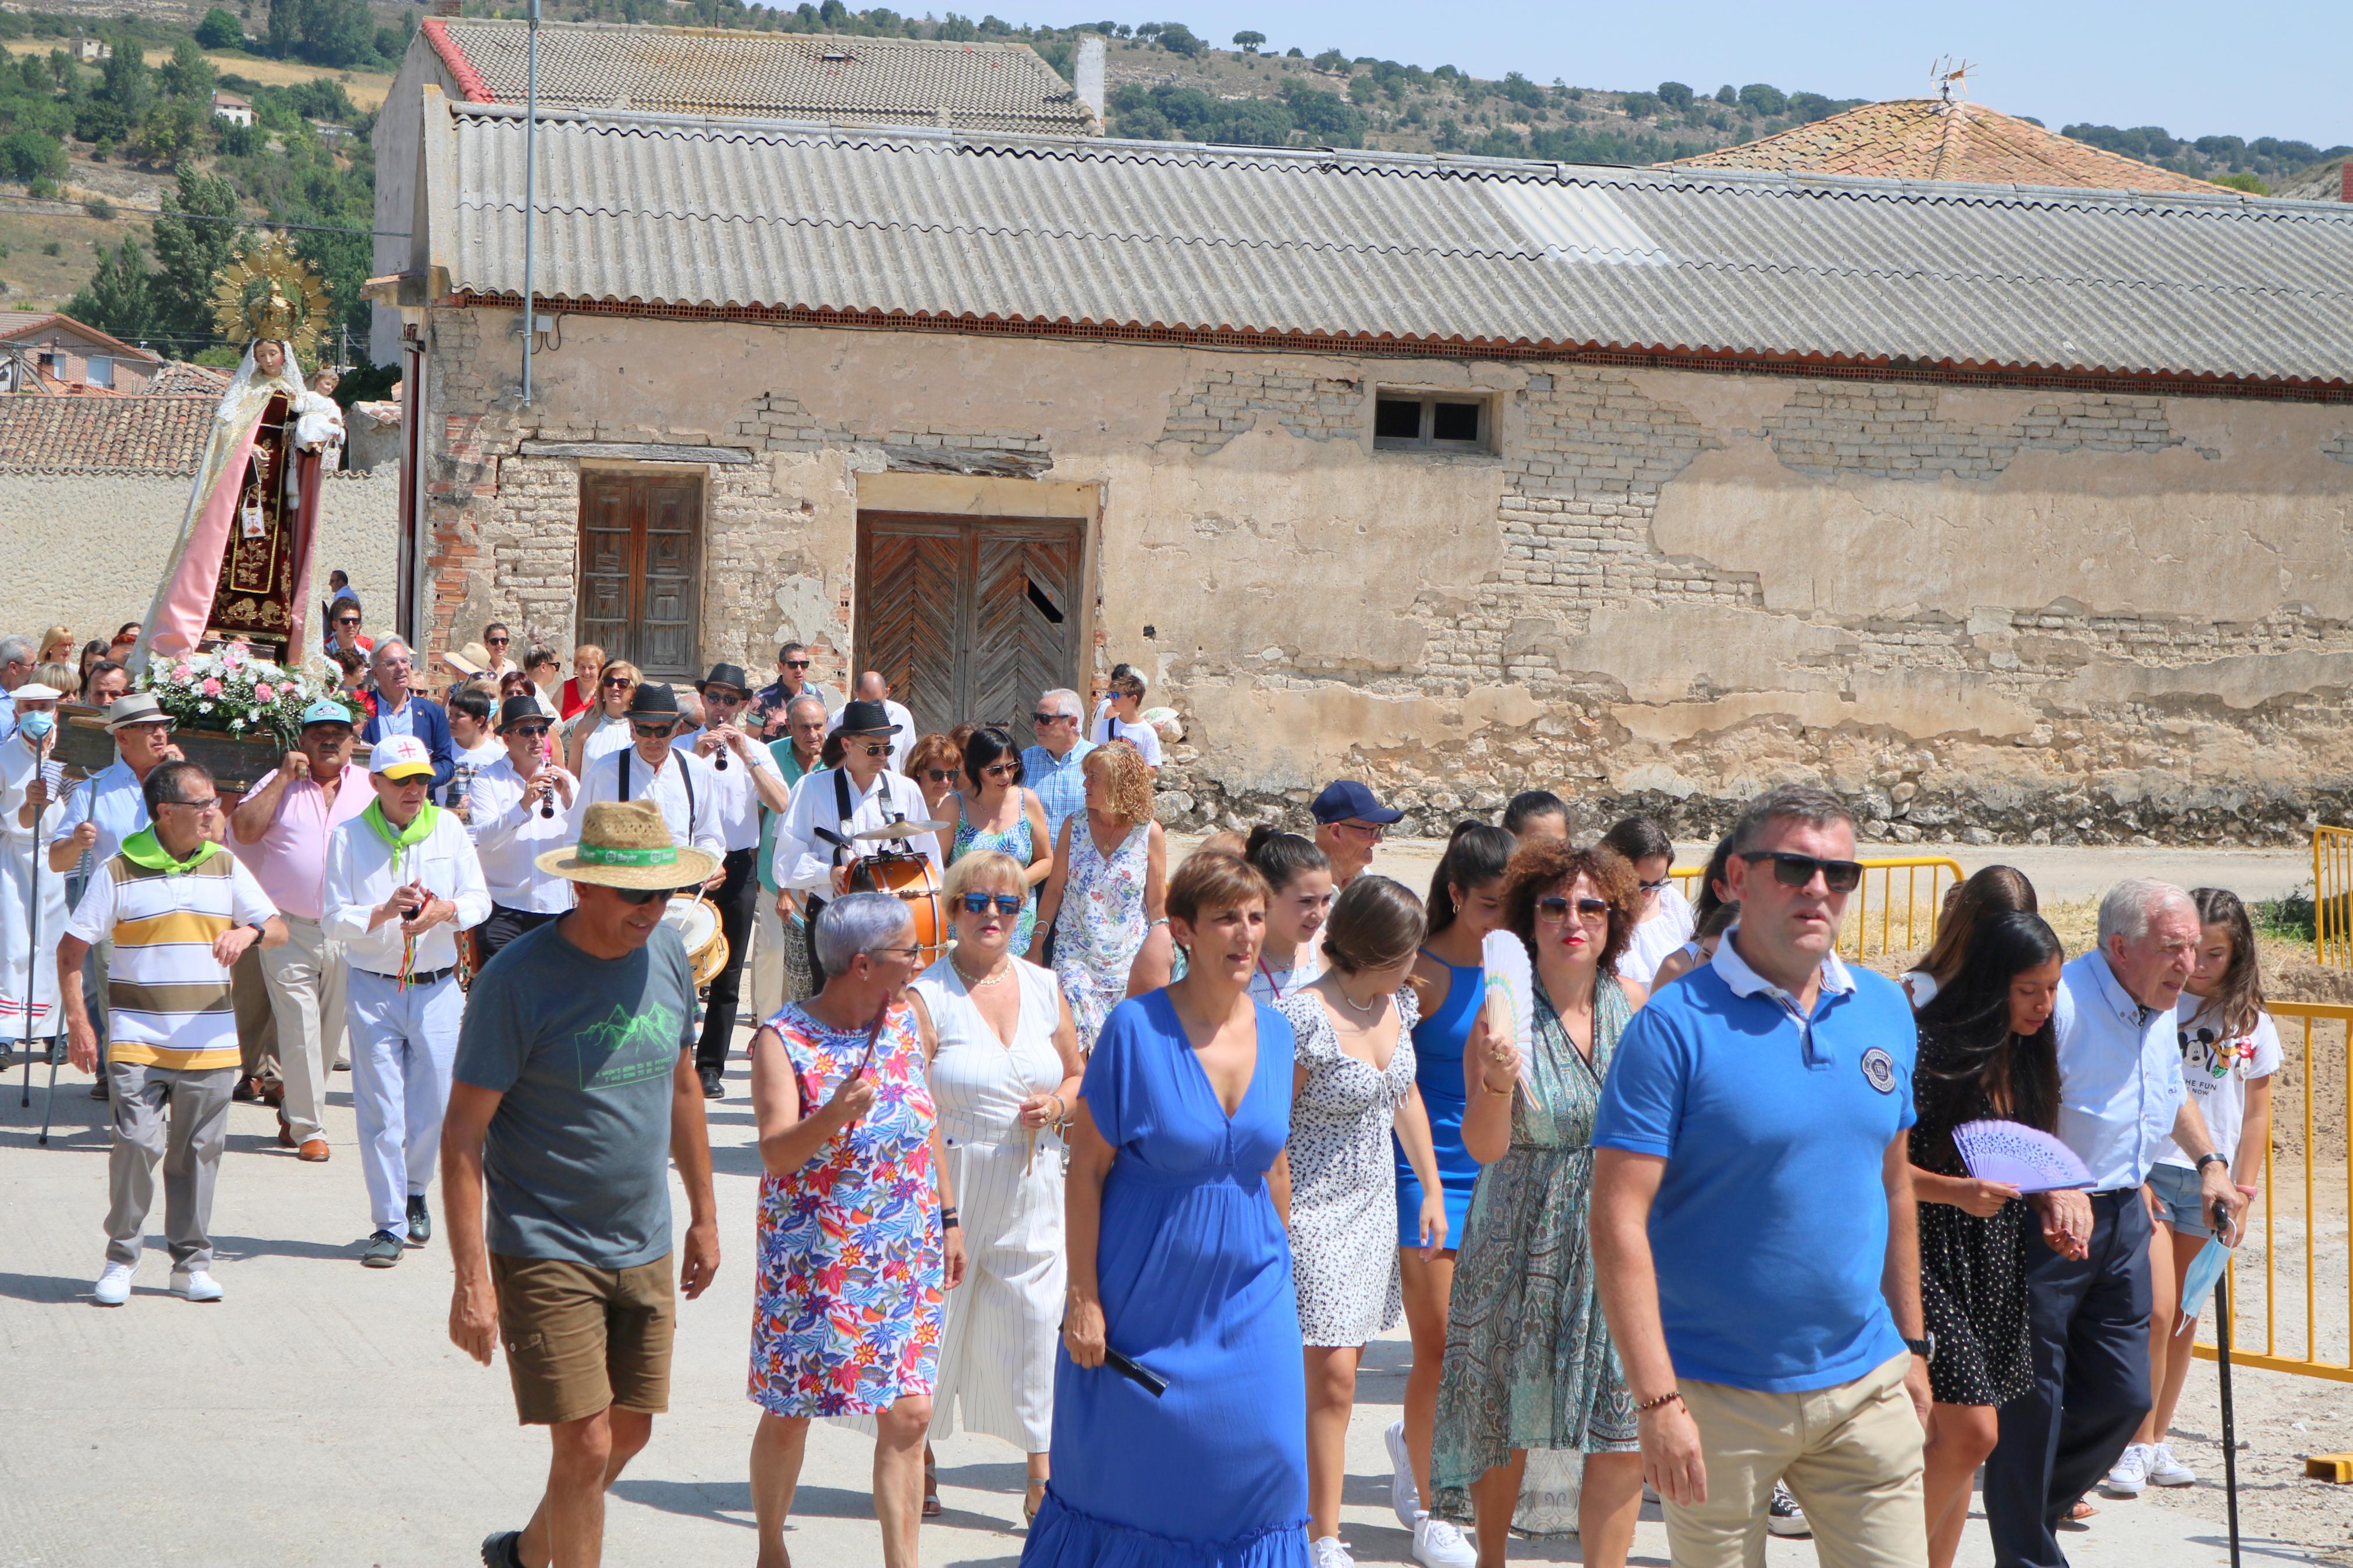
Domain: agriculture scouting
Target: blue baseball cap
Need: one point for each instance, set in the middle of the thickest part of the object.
(1346, 800)
(326, 711)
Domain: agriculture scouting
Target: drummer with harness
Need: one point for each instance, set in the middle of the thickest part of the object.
(843, 817)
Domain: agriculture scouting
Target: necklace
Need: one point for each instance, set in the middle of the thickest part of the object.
(997, 976)
(1363, 1009)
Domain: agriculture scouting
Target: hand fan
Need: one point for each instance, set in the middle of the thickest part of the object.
(2012, 1152)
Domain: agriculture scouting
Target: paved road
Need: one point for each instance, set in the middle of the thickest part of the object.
(320, 1416)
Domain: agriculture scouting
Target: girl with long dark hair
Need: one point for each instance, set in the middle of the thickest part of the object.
(1990, 890)
(1988, 1052)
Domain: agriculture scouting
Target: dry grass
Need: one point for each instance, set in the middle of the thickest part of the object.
(38, 282)
(368, 89)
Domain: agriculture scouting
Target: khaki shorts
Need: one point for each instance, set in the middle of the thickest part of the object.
(580, 1340)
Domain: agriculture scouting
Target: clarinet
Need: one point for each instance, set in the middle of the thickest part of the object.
(719, 762)
(546, 807)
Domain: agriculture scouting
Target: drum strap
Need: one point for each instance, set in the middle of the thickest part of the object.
(685, 776)
(842, 811)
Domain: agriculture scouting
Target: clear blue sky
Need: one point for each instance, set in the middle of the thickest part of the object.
(2244, 67)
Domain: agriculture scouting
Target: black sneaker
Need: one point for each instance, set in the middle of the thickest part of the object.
(1783, 1516)
(382, 1251)
(503, 1549)
(420, 1221)
(714, 1083)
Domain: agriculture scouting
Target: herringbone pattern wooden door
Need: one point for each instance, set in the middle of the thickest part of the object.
(969, 618)
(640, 550)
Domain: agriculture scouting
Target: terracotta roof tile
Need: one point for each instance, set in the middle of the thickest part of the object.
(179, 377)
(1928, 139)
(104, 434)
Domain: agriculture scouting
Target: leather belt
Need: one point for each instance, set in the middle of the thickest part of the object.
(426, 979)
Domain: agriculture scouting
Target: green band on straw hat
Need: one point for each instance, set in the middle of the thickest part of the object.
(604, 854)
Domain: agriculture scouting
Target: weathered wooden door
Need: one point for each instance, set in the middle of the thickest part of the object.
(640, 552)
(969, 618)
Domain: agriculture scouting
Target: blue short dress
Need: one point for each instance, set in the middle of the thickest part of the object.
(1437, 1041)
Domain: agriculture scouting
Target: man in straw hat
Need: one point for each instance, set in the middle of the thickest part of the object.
(575, 1090)
(402, 881)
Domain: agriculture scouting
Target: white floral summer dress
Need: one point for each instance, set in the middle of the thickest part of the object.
(1343, 1251)
(1101, 925)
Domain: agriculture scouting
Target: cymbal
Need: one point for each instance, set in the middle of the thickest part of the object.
(898, 830)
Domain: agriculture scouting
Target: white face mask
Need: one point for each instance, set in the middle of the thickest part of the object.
(36, 726)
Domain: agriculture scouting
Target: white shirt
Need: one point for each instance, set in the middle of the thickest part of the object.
(1143, 737)
(607, 738)
(1655, 938)
(510, 835)
(739, 801)
(667, 787)
(804, 862)
(361, 872)
(469, 761)
(2120, 1081)
(2217, 1065)
(901, 743)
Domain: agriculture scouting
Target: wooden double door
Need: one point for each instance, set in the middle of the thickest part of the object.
(969, 617)
(640, 565)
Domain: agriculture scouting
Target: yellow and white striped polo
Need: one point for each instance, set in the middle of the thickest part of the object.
(167, 1000)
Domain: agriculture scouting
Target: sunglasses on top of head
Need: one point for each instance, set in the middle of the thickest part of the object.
(977, 904)
(1793, 870)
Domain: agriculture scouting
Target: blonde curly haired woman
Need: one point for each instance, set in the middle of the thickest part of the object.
(1108, 886)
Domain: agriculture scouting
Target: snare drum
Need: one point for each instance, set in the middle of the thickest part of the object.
(913, 878)
(696, 920)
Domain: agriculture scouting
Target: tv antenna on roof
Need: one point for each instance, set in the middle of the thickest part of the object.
(1951, 75)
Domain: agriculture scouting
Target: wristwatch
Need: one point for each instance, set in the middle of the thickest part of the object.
(1925, 1349)
(2212, 1157)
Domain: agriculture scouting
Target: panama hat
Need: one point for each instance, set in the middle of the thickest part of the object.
(625, 844)
(136, 708)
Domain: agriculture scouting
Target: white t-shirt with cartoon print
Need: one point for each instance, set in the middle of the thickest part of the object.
(2217, 1065)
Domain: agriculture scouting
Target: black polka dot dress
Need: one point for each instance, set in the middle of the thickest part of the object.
(1973, 1268)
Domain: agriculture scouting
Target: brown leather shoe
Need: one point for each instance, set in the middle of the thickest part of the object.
(285, 1131)
(247, 1091)
(273, 1091)
(314, 1150)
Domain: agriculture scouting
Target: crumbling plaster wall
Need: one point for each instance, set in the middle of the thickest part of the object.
(2056, 614)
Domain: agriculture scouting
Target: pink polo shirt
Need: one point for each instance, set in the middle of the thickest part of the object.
(290, 860)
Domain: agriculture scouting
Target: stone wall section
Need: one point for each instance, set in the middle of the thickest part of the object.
(1225, 403)
(1893, 431)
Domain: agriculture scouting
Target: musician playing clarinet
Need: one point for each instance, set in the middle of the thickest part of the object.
(819, 837)
(519, 805)
(744, 778)
(680, 784)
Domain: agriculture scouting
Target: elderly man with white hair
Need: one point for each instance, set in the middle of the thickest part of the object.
(15, 668)
(394, 708)
(1052, 766)
(2121, 1093)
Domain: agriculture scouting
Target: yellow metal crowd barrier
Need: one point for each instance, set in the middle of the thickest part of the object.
(2332, 896)
(1895, 909)
(2307, 1204)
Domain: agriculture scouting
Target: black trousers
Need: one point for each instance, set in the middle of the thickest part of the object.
(738, 899)
(504, 925)
(2090, 1327)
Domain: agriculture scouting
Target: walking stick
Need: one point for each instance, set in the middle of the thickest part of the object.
(33, 926)
(2222, 1305)
(49, 1104)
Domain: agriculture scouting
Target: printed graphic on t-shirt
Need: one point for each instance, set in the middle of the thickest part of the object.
(2208, 1055)
(626, 1047)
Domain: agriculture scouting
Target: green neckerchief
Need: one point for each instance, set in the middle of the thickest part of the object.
(143, 848)
(398, 839)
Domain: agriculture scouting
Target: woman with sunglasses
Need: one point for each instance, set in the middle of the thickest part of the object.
(1104, 894)
(1664, 923)
(1529, 1363)
(595, 730)
(1005, 1068)
(993, 811)
(936, 763)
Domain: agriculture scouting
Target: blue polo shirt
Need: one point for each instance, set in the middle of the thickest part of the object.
(1769, 1233)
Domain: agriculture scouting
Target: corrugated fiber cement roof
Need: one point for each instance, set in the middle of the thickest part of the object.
(1449, 253)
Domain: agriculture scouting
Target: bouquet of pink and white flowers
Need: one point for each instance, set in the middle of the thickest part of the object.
(230, 691)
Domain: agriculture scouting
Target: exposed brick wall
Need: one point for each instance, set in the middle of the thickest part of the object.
(1893, 432)
(1225, 403)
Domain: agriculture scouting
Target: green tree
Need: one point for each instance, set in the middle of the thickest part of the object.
(28, 154)
(130, 86)
(1179, 39)
(189, 253)
(187, 75)
(1248, 42)
(1762, 98)
(220, 30)
(1675, 96)
(117, 298)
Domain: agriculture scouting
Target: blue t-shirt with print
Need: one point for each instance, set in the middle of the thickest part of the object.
(1770, 1232)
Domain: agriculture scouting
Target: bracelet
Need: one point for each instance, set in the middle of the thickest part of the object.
(1672, 1396)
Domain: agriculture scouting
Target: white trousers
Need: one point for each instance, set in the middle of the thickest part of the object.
(402, 1046)
(306, 991)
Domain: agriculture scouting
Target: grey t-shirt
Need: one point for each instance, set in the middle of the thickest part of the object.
(583, 1048)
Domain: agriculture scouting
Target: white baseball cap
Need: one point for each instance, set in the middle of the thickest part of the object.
(401, 757)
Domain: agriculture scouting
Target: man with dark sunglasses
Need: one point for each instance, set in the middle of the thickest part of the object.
(648, 768)
(1055, 766)
(794, 662)
(1753, 1222)
(519, 806)
(343, 627)
(816, 838)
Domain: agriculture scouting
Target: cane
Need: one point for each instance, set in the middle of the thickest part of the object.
(2222, 1305)
(33, 926)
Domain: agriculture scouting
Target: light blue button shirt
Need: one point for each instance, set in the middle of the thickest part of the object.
(400, 721)
(1062, 786)
(2120, 1083)
(113, 799)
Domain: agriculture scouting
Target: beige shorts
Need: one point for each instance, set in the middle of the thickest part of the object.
(581, 1340)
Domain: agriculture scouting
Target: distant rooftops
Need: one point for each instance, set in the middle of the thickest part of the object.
(1931, 139)
(977, 86)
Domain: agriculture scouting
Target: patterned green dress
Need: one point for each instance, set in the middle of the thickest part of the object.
(1528, 1359)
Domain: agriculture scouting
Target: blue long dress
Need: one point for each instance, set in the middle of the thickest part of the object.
(1195, 1275)
(1438, 1042)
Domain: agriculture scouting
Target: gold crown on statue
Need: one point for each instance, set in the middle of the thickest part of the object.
(270, 292)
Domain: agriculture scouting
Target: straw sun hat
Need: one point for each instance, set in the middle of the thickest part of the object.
(625, 844)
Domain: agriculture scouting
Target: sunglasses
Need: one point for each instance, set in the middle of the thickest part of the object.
(1797, 870)
(1042, 720)
(937, 775)
(496, 642)
(1000, 770)
(641, 896)
(911, 951)
(1372, 830)
(205, 804)
(1007, 904)
(883, 752)
(1554, 909)
(796, 664)
(530, 731)
(652, 731)
(1655, 887)
(621, 682)
(347, 621)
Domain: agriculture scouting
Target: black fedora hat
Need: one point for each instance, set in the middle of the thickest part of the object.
(728, 675)
(516, 710)
(863, 717)
(652, 701)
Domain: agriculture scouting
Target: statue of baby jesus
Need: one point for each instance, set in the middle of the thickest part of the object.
(319, 419)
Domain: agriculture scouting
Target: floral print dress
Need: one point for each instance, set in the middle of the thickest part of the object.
(846, 1311)
(1101, 925)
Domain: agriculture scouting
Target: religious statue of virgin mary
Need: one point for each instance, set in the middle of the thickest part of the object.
(240, 569)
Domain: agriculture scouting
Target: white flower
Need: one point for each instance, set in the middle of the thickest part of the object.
(237, 723)
(204, 707)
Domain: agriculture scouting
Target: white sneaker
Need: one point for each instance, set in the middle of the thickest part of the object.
(113, 1287)
(1404, 1497)
(1326, 1551)
(1438, 1545)
(1784, 1518)
(195, 1285)
(2131, 1473)
(2165, 1471)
